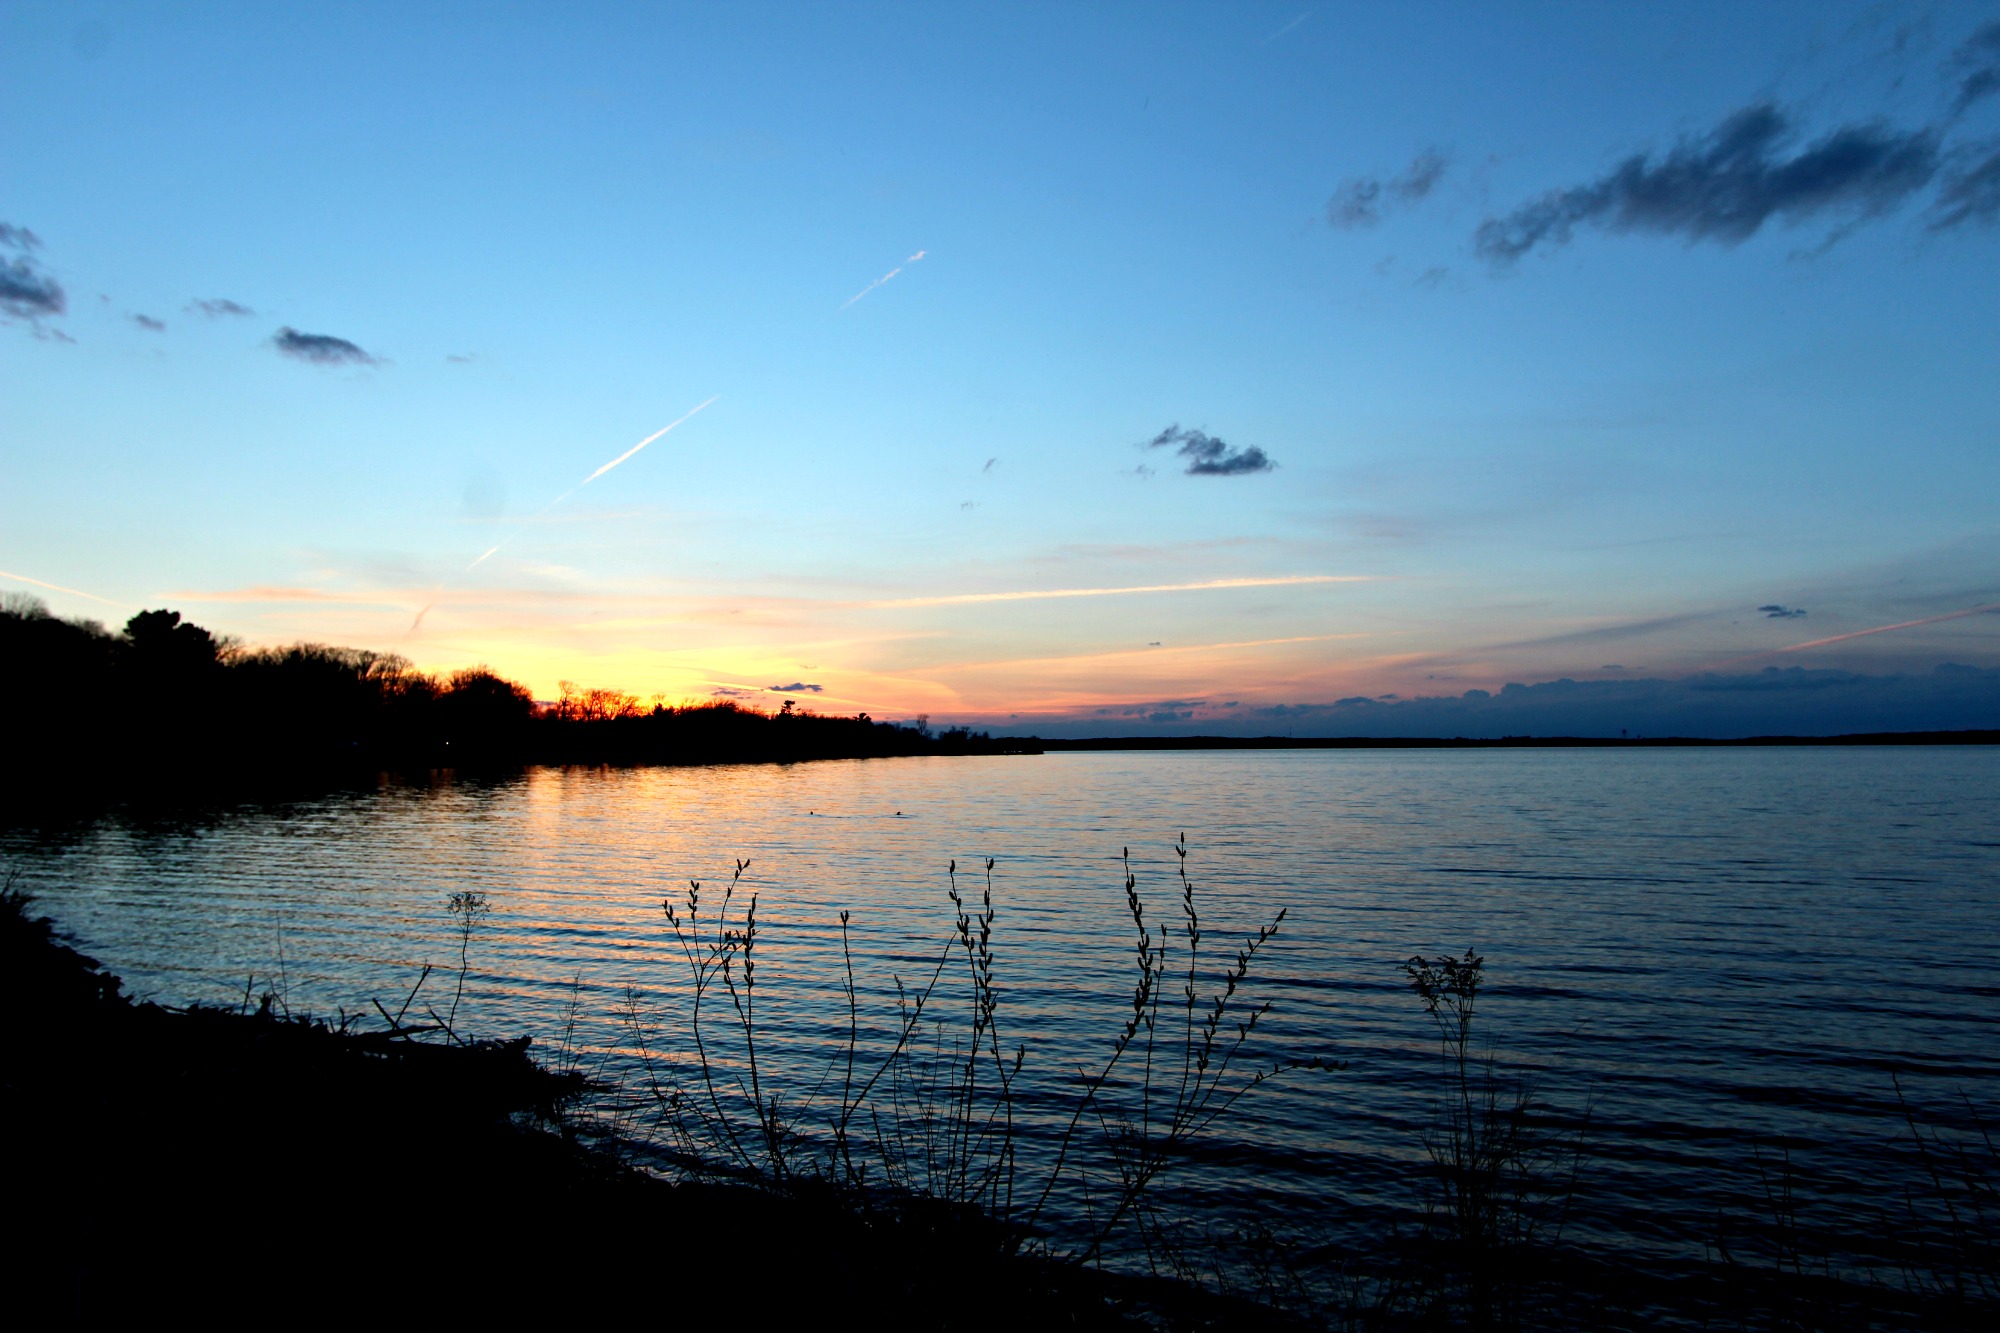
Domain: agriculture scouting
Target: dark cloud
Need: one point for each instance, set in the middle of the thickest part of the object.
(1208, 456)
(1360, 200)
(1970, 193)
(1425, 171)
(1355, 204)
(148, 323)
(25, 291)
(218, 308)
(321, 349)
(1725, 185)
(1795, 701)
(796, 687)
(1159, 710)
(1976, 64)
(1776, 612)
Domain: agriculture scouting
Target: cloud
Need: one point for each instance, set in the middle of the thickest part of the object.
(1208, 456)
(1970, 193)
(1160, 710)
(884, 278)
(796, 687)
(322, 349)
(1360, 200)
(57, 587)
(1776, 612)
(25, 291)
(148, 323)
(1725, 185)
(1795, 701)
(217, 308)
(1985, 610)
(1039, 594)
(1977, 64)
(1287, 28)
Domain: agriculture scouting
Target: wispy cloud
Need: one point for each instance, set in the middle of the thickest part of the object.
(1971, 190)
(57, 587)
(1977, 66)
(884, 278)
(1210, 585)
(1725, 185)
(1885, 629)
(25, 291)
(796, 687)
(320, 349)
(1287, 28)
(271, 593)
(217, 308)
(1209, 456)
(1362, 200)
(148, 323)
(1151, 650)
(1776, 612)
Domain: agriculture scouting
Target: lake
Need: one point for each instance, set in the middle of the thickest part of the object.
(1705, 960)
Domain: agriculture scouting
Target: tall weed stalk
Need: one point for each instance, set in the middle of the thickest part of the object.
(933, 1118)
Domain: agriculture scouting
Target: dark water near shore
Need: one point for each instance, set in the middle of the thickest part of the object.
(1718, 954)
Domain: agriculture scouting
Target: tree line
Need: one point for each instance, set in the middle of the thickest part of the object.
(165, 695)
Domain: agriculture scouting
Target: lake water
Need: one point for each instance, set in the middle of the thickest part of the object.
(1718, 955)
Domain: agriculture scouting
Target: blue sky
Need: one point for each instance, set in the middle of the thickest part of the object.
(1757, 369)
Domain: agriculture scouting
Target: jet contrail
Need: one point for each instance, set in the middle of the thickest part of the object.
(1861, 634)
(494, 550)
(884, 278)
(1287, 28)
(57, 587)
(642, 444)
(965, 598)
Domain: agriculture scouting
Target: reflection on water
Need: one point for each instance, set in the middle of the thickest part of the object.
(1711, 949)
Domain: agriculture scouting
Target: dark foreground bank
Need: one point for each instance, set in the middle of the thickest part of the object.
(240, 1165)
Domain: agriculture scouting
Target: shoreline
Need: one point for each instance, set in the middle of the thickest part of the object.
(237, 1162)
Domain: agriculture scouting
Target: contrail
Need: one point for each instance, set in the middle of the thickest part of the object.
(57, 587)
(884, 278)
(1287, 28)
(966, 598)
(494, 550)
(1861, 634)
(643, 443)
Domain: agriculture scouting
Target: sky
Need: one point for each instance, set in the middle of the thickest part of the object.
(1073, 369)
